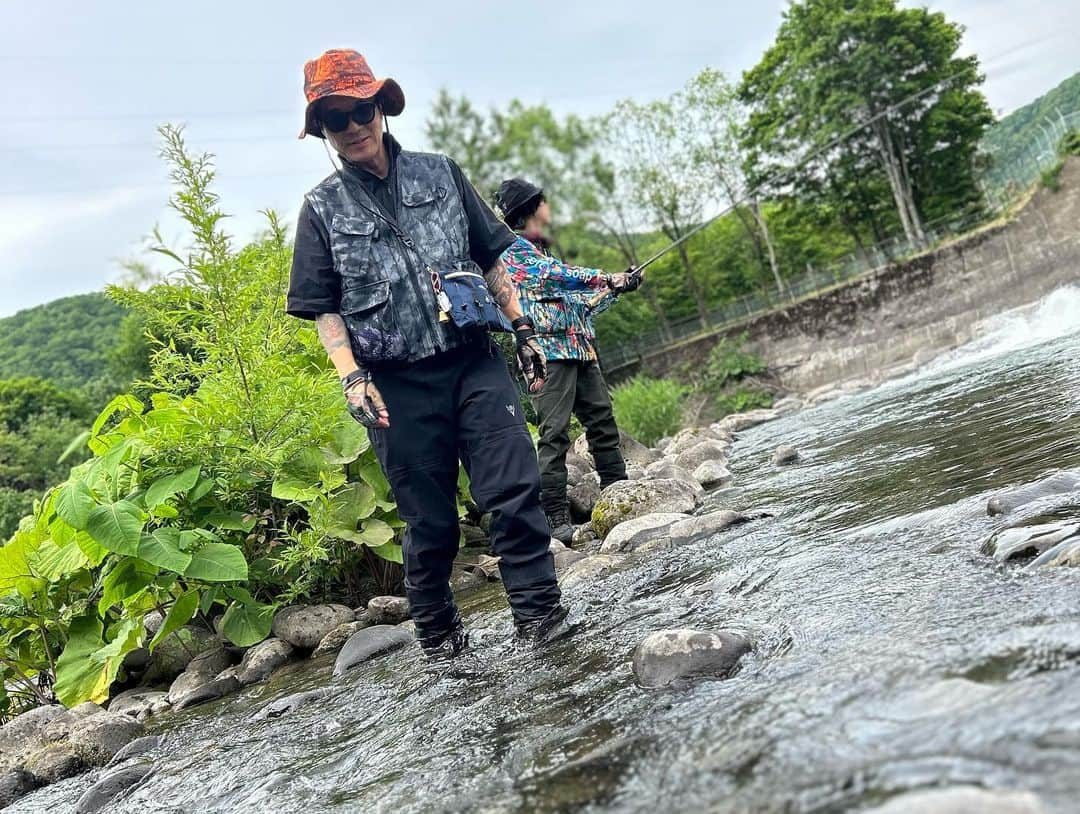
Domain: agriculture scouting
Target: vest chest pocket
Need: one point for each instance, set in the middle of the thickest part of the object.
(350, 244)
(369, 315)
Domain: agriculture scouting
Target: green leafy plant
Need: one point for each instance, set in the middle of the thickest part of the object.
(649, 409)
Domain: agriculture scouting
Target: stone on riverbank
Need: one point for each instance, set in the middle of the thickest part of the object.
(139, 746)
(582, 497)
(962, 800)
(275, 709)
(336, 638)
(368, 643)
(261, 660)
(698, 454)
(1023, 541)
(565, 558)
(174, 653)
(1011, 500)
(97, 738)
(784, 455)
(633, 533)
(627, 500)
(211, 690)
(304, 626)
(583, 535)
(589, 569)
(201, 669)
(106, 790)
(15, 783)
(704, 525)
(388, 610)
(712, 474)
(140, 702)
(744, 421)
(669, 655)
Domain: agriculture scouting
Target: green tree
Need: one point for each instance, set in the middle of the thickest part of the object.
(893, 73)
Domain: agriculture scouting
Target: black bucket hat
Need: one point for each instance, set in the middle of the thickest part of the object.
(514, 194)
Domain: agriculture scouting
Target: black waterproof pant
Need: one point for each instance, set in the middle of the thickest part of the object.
(577, 388)
(463, 404)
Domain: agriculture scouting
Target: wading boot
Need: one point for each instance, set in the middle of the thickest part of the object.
(558, 517)
(541, 631)
(443, 648)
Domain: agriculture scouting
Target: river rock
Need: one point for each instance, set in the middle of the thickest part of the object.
(275, 709)
(1009, 501)
(698, 454)
(788, 405)
(712, 474)
(662, 445)
(25, 733)
(15, 783)
(633, 533)
(635, 472)
(485, 566)
(140, 702)
(304, 626)
(1022, 541)
(1066, 552)
(211, 690)
(55, 762)
(368, 643)
(565, 558)
(574, 474)
(461, 582)
(201, 669)
(582, 498)
(473, 536)
(261, 660)
(336, 638)
(627, 500)
(97, 738)
(962, 800)
(692, 436)
(584, 464)
(702, 526)
(668, 655)
(744, 421)
(106, 790)
(583, 535)
(388, 610)
(589, 569)
(152, 622)
(633, 452)
(174, 653)
(139, 746)
(785, 454)
(137, 660)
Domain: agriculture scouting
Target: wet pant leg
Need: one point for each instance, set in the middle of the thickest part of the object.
(592, 405)
(554, 405)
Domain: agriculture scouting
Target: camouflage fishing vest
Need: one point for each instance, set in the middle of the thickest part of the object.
(387, 299)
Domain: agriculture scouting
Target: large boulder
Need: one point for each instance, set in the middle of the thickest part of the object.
(691, 459)
(101, 795)
(388, 610)
(633, 533)
(962, 800)
(304, 626)
(702, 526)
(98, 738)
(55, 762)
(627, 500)
(368, 643)
(336, 638)
(261, 660)
(669, 655)
(25, 733)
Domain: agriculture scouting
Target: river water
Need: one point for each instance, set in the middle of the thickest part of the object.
(889, 653)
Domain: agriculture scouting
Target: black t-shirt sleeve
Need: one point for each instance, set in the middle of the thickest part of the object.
(489, 237)
(314, 286)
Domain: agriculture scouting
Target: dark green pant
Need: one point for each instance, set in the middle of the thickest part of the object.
(576, 388)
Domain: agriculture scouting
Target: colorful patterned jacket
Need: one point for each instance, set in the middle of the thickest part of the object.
(556, 297)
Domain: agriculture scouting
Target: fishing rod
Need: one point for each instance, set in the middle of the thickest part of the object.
(594, 301)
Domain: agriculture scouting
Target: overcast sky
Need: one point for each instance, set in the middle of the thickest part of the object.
(83, 85)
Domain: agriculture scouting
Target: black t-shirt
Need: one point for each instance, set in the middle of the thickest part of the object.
(314, 286)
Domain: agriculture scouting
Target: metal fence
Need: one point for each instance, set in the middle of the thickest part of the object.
(1002, 185)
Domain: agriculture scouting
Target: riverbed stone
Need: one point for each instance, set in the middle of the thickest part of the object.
(210, 690)
(97, 738)
(174, 653)
(136, 702)
(698, 454)
(1023, 541)
(368, 643)
(55, 762)
(962, 800)
(485, 566)
(589, 569)
(631, 534)
(304, 626)
(290, 703)
(1012, 499)
(712, 474)
(788, 405)
(583, 535)
(582, 497)
(744, 421)
(336, 638)
(24, 733)
(388, 610)
(15, 783)
(701, 526)
(101, 795)
(784, 455)
(574, 474)
(627, 500)
(261, 660)
(669, 655)
(567, 557)
(202, 668)
(139, 746)
(692, 436)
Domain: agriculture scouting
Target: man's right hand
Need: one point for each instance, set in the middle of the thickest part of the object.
(629, 280)
(364, 400)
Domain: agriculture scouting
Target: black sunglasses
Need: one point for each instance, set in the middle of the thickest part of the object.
(337, 121)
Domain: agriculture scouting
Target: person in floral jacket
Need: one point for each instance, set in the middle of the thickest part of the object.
(561, 301)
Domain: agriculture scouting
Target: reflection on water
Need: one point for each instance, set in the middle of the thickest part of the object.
(889, 653)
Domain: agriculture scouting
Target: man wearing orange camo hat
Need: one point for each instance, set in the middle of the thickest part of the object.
(397, 259)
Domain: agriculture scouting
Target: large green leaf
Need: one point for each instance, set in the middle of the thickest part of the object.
(164, 488)
(117, 527)
(15, 568)
(130, 576)
(389, 551)
(376, 533)
(120, 403)
(246, 624)
(230, 521)
(95, 554)
(52, 562)
(218, 562)
(345, 444)
(74, 502)
(162, 548)
(78, 677)
(179, 615)
(372, 474)
(296, 489)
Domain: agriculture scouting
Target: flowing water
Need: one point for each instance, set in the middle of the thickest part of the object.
(889, 653)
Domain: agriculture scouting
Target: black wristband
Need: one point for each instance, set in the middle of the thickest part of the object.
(358, 375)
(522, 322)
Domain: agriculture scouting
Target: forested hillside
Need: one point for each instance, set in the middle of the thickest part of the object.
(1014, 134)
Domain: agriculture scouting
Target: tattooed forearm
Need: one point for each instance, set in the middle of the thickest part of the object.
(500, 285)
(332, 332)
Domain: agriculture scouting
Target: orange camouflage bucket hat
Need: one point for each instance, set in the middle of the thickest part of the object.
(344, 72)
